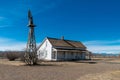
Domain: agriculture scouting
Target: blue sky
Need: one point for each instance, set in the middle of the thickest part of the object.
(96, 23)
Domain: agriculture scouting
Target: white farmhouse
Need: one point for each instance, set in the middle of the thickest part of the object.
(61, 49)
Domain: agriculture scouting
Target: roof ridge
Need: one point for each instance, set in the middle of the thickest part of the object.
(52, 38)
(63, 39)
(73, 41)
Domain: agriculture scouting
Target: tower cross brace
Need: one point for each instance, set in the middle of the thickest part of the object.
(31, 50)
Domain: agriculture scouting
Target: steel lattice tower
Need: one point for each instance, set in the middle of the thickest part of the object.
(31, 50)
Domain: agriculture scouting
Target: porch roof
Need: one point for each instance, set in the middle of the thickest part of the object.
(65, 50)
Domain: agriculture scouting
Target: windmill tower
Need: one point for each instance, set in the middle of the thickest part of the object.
(31, 51)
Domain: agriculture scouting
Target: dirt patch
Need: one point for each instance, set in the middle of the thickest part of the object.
(112, 75)
(115, 60)
(58, 71)
(7, 62)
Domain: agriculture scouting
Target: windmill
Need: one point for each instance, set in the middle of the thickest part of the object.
(31, 50)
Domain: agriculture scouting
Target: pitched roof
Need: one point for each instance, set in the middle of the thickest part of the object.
(65, 43)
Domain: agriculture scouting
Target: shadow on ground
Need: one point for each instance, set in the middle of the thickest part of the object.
(89, 62)
(44, 65)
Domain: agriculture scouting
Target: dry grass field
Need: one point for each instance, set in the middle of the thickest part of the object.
(97, 69)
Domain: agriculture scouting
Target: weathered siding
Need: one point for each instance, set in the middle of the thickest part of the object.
(61, 55)
(55, 49)
(70, 55)
(44, 52)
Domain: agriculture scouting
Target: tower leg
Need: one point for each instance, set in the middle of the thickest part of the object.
(31, 51)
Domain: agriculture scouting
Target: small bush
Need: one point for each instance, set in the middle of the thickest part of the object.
(22, 58)
(12, 56)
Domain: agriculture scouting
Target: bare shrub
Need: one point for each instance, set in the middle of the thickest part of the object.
(12, 55)
(1, 55)
(22, 58)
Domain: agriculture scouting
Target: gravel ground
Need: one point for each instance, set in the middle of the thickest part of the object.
(55, 71)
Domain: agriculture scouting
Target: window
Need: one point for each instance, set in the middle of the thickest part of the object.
(72, 53)
(46, 43)
(64, 54)
(53, 55)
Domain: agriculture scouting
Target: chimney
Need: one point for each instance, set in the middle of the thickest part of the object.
(62, 38)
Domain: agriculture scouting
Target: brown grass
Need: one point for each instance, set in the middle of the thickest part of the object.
(111, 75)
(7, 62)
(59, 71)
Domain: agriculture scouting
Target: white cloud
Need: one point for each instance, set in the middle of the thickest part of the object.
(15, 47)
(11, 44)
(5, 22)
(98, 46)
(99, 42)
(4, 40)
